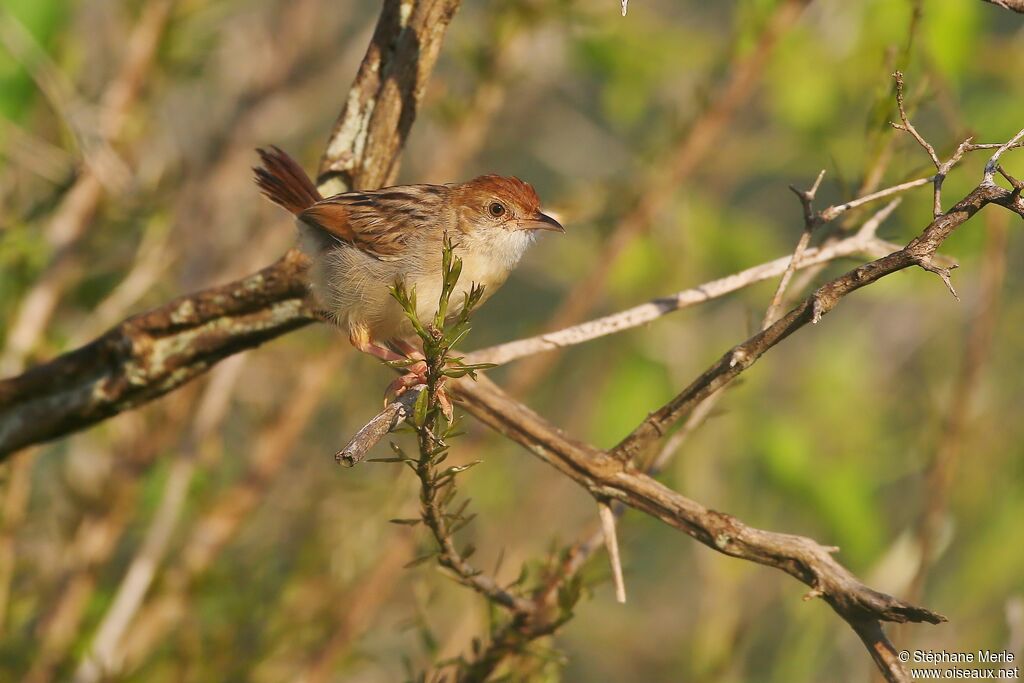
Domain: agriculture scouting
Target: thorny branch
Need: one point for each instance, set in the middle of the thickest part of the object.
(811, 221)
(919, 252)
(605, 476)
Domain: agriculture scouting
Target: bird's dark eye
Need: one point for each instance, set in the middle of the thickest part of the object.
(497, 209)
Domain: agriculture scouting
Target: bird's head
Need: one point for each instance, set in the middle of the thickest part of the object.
(493, 203)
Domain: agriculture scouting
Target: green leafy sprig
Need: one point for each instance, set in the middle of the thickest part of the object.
(517, 631)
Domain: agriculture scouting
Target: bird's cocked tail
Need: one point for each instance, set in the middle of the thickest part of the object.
(283, 181)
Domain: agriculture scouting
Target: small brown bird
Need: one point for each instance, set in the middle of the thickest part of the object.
(362, 243)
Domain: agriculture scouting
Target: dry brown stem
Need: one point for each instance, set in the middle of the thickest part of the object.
(382, 424)
(811, 221)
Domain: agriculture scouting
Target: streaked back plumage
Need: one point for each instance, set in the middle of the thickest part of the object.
(362, 242)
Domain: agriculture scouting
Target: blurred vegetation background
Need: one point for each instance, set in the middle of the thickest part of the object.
(665, 140)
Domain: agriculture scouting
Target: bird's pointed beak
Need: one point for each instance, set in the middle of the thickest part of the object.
(541, 222)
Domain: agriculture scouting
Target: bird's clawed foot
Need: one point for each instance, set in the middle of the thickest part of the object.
(417, 376)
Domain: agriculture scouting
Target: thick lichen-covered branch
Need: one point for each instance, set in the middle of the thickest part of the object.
(151, 354)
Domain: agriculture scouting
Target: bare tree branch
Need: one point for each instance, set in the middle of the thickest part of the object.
(607, 477)
(152, 353)
(811, 221)
(919, 252)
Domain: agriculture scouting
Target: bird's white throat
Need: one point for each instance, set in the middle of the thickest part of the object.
(490, 259)
(506, 247)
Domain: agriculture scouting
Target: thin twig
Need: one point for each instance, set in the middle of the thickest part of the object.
(864, 242)
(907, 125)
(656, 191)
(382, 424)
(993, 162)
(942, 167)
(611, 542)
(811, 221)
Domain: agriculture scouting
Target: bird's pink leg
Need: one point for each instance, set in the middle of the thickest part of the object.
(443, 401)
(408, 348)
(382, 352)
(415, 374)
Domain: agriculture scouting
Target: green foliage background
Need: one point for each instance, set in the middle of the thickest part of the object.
(831, 435)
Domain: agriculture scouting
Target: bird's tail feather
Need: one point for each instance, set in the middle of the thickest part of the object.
(283, 181)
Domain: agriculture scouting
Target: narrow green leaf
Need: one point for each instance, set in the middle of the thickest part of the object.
(461, 524)
(461, 468)
(569, 594)
(448, 496)
(420, 409)
(412, 521)
(462, 508)
(420, 560)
